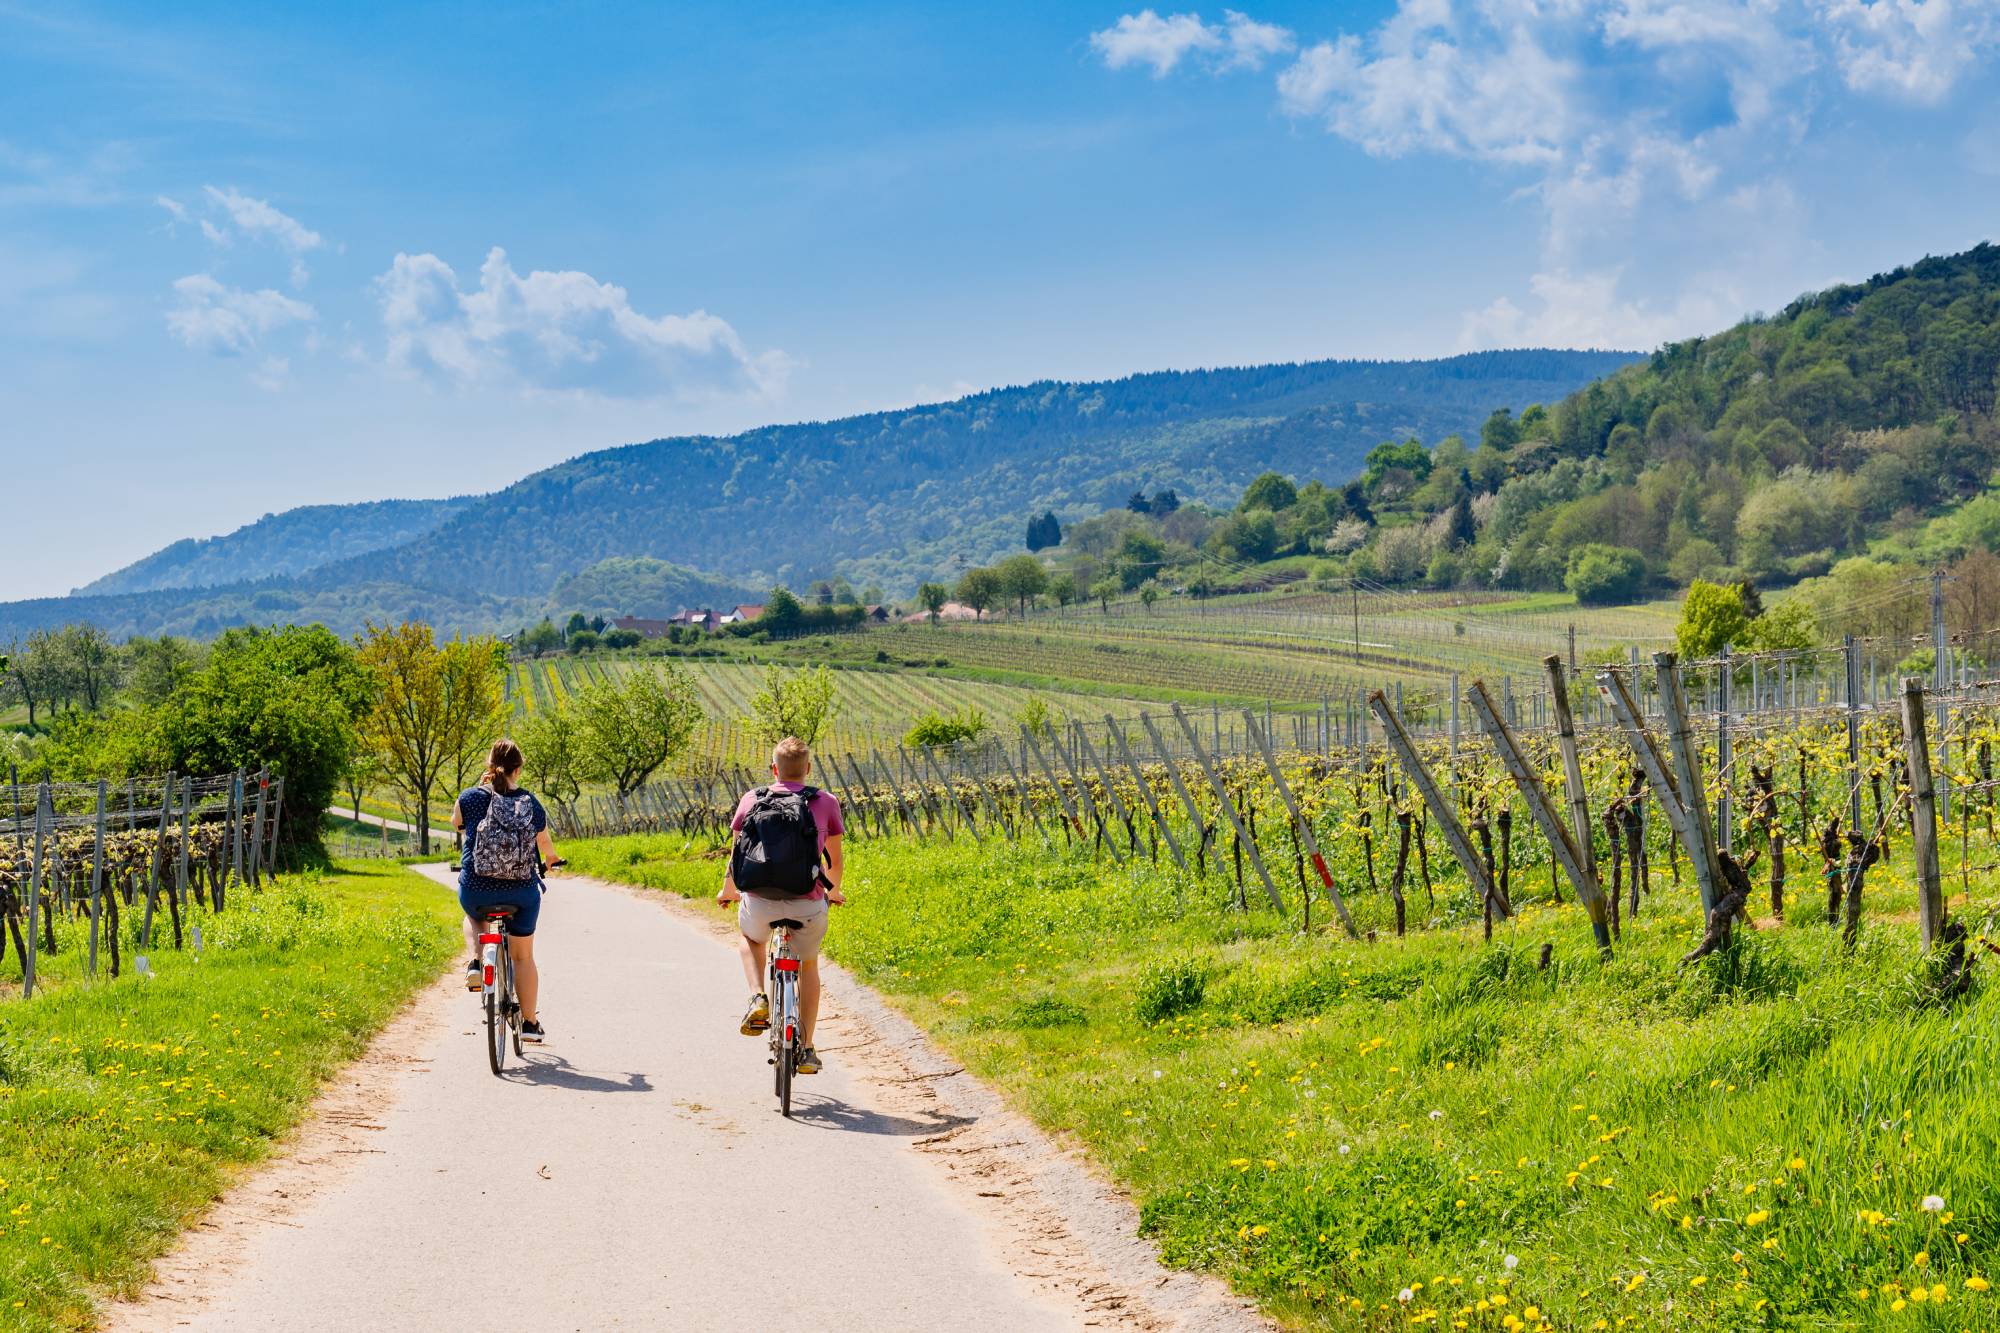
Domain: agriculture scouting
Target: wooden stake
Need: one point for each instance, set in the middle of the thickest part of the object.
(1923, 799)
(1434, 800)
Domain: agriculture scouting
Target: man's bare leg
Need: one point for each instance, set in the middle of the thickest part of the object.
(752, 955)
(808, 999)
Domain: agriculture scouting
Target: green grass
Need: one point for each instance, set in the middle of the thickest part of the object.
(126, 1106)
(1743, 1143)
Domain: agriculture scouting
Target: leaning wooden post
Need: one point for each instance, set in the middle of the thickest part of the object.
(1440, 807)
(1146, 791)
(895, 785)
(181, 857)
(153, 868)
(277, 812)
(1579, 795)
(35, 868)
(1174, 776)
(1110, 789)
(1300, 822)
(1055, 783)
(1228, 808)
(1088, 802)
(1687, 772)
(1020, 781)
(256, 849)
(993, 804)
(1582, 874)
(97, 873)
(1923, 810)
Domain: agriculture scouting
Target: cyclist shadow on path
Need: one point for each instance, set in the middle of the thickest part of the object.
(832, 1113)
(547, 1069)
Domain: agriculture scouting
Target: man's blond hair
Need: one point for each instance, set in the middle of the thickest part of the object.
(792, 759)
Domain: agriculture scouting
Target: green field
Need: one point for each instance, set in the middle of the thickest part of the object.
(126, 1105)
(1436, 1131)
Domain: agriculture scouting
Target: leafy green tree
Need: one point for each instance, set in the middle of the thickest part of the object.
(1022, 578)
(90, 662)
(1036, 716)
(935, 728)
(554, 760)
(157, 667)
(932, 597)
(782, 611)
(1063, 587)
(1044, 530)
(979, 588)
(1148, 594)
(622, 638)
(636, 721)
(434, 707)
(1269, 491)
(1104, 590)
(1602, 575)
(585, 641)
(1140, 555)
(801, 704)
(1711, 618)
(577, 624)
(1501, 432)
(542, 638)
(1788, 627)
(1697, 558)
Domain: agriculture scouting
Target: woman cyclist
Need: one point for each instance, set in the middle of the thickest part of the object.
(515, 824)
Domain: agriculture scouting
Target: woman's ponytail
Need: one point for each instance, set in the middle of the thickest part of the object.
(502, 764)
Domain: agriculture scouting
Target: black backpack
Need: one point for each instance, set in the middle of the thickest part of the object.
(777, 849)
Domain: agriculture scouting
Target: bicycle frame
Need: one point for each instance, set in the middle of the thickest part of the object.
(503, 1010)
(784, 997)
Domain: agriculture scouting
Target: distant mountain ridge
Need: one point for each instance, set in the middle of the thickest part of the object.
(296, 541)
(888, 497)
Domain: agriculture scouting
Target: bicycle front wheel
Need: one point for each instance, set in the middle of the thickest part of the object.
(496, 1013)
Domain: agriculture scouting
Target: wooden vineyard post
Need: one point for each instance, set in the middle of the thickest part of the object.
(181, 852)
(1579, 795)
(1145, 790)
(1055, 783)
(277, 810)
(1249, 844)
(1687, 770)
(1923, 810)
(895, 789)
(991, 802)
(236, 829)
(1440, 807)
(97, 874)
(1582, 874)
(1020, 781)
(256, 852)
(1658, 775)
(1110, 790)
(34, 895)
(957, 806)
(853, 780)
(1174, 776)
(1303, 825)
(1229, 807)
(924, 801)
(153, 867)
(1087, 801)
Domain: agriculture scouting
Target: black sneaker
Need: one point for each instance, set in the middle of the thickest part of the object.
(532, 1034)
(808, 1061)
(475, 978)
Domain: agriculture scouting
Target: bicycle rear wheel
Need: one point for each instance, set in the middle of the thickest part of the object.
(496, 1011)
(785, 1046)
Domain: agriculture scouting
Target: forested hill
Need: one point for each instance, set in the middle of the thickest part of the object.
(887, 498)
(894, 497)
(294, 542)
(1846, 422)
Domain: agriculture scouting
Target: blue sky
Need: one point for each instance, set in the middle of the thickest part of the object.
(254, 257)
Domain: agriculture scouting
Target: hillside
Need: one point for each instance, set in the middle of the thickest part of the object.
(888, 498)
(278, 545)
(1855, 416)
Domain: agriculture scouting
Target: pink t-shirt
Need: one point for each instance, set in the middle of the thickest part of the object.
(825, 809)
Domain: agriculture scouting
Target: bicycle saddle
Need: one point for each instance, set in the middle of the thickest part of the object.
(495, 913)
(790, 924)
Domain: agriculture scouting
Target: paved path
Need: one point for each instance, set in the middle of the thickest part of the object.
(634, 1173)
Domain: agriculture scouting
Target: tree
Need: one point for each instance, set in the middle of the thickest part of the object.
(933, 596)
(473, 671)
(362, 772)
(426, 706)
(1711, 617)
(155, 668)
(636, 721)
(935, 728)
(1044, 531)
(585, 641)
(576, 624)
(1149, 594)
(35, 673)
(1788, 627)
(781, 612)
(1269, 491)
(542, 638)
(1104, 590)
(1022, 578)
(1063, 588)
(552, 751)
(89, 662)
(979, 588)
(1602, 575)
(622, 638)
(1140, 555)
(801, 704)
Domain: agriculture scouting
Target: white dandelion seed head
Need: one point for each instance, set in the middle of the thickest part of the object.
(1933, 1203)
(1437, 1115)
(1510, 1263)
(1343, 1150)
(1406, 1295)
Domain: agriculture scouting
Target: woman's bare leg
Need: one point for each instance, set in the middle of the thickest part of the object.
(527, 980)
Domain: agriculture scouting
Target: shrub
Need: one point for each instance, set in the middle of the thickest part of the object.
(935, 728)
(1600, 575)
(1171, 987)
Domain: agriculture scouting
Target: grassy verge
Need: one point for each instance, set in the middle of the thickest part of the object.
(124, 1105)
(1436, 1130)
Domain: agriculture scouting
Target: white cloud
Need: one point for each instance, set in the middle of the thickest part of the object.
(561, 331)
(257, 218)
(212, 317)
(1914, 50)
(1145, 38)
(1663, 128)
(175, 209)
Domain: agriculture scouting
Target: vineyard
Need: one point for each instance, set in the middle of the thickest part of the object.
(91, 866)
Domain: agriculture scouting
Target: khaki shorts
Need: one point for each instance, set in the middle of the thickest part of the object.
(754, 916)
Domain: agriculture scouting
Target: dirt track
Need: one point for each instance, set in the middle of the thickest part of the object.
(635, 1174)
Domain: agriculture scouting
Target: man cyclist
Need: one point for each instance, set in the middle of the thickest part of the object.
(788, 859)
